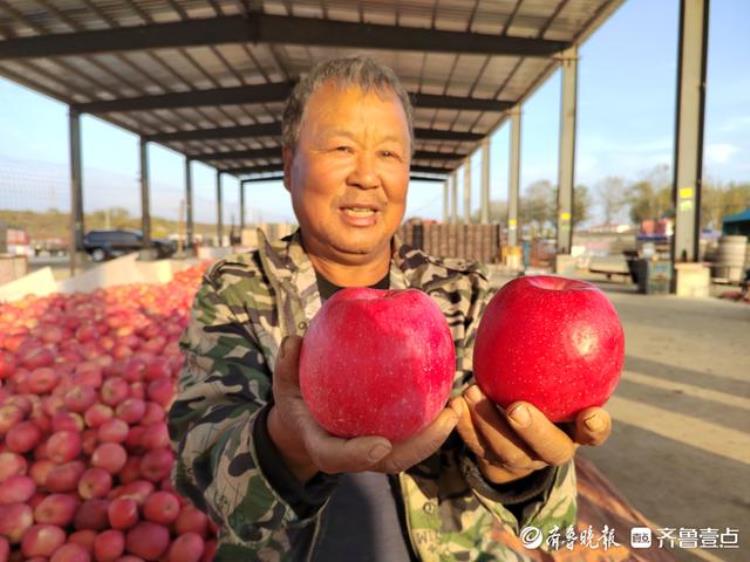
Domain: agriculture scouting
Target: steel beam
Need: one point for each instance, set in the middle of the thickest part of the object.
(266, 28)
(263, 93)
(566, 176)
(689, 122)
(432, 101)
(242, 205)
(189, 231)
(274, 130)
(446, 198)
(514, 176)
(260, 130)
(433, 179)
(145, 199)
(275, 152)
(266, 93)
(219, 210)
(76, 188)
(268, 168)
(484, 209)
(467, 190)
(454, 197)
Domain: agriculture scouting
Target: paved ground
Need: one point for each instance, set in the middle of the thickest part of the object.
(680, 448)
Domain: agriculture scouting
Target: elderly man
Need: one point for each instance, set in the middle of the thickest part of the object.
(248, 451)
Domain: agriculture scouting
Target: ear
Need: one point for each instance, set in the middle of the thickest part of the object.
(287, 156)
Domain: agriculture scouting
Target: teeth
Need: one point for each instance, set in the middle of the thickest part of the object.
(359, 211)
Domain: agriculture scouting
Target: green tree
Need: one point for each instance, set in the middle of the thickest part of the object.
(610, 193)
(537, 206)
(581, 204)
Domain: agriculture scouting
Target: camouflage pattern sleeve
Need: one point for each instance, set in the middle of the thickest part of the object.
(223, 388)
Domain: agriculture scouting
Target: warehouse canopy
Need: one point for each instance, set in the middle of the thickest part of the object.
(208, 77)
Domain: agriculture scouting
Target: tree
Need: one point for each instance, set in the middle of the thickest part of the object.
(610, 192)
(581, 205)
(498, 212)
(537, 206)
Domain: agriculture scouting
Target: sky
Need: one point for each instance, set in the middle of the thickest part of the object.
(626, 110)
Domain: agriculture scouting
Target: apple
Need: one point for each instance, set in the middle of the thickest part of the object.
(56, 509)
(109, 456)
(554, 342)
(15, 518)
(156, 464)
(71, 552)
(94, 483)
(147, 540)
(377, 362)
(64, 477)
(92, 514)
(10, 416)
(42, 540)
(12, 464)
(84, 538)
(17, 489)
(63, 446)
(187, 547)
(191, 520)
(122, 513)
(23, 437)
(109, 545)
(161, 507)
(113, 431)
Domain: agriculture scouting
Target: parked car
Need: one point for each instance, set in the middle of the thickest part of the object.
(102, 245)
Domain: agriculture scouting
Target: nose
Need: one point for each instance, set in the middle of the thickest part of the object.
(364, 174)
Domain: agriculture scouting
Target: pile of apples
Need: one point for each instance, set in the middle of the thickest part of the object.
(85, 457)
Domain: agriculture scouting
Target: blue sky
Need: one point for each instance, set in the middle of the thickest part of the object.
(626, 97)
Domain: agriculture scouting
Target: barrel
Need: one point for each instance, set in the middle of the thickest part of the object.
(730, 259)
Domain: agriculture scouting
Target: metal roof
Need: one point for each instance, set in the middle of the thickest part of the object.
(208, 78)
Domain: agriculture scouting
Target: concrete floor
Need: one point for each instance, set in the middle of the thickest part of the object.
(680, 447)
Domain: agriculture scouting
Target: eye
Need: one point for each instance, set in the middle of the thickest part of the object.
(343, 148)
(388, 154)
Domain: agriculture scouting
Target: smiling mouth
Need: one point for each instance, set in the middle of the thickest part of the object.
(359, 212)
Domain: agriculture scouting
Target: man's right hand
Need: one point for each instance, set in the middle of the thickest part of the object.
(307, 448)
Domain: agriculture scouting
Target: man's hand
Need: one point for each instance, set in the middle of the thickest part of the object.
(307, 448)
(513, 443)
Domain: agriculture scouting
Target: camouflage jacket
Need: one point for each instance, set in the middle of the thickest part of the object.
(246, 304)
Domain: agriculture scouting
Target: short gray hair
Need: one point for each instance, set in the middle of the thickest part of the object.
(361, 71)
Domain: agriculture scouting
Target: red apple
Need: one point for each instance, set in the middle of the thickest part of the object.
(147, 540)
(23, 437)
(95, 483)
(63, 446)
(138, 491)
(186, 548)
(122, 513)
(10, 416)
(71, 552)
(97, 414)
(377, 362)
(80, 398)
(109, 456)
(15, 518)
(65, 477)
(56, 509)
(12, 464)
(84, 538)
(92, 515)
(109, 545)
(554, 342)
(7, 364)
(191, 520)
(42, 540)
(40, 470)
(43, 380)
(157, 464)
(113, 431)
(17, 489)
(114, 391)
(131, 410)
(161, 507)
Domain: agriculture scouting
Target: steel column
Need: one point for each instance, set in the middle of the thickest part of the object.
(446, 198)
(514, 179)
(566, 176)
(467, 191)
(145, 201)
(219, 210)
(189, 242)
(484, 208)
(454, 197)
(242, 206)
(688, 158)
(76, 188)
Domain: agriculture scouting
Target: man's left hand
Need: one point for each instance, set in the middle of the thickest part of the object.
(513, 443)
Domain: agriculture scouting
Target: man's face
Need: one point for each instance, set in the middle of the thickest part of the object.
(349, 172)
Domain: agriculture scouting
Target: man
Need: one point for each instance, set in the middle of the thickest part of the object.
(248, 451)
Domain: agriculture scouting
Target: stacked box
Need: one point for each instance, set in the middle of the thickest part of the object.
(418, 236)
(461, 241)
(435, 238)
